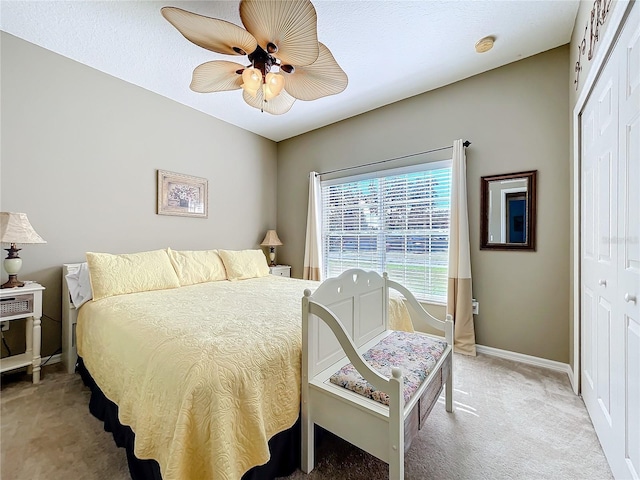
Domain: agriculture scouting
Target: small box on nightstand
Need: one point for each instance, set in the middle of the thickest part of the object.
(281, 270)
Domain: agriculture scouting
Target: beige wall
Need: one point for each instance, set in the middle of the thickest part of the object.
(70, 133)
(79, 155)
(517, 119)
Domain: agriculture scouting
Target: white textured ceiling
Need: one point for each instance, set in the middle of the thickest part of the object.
(390, 50)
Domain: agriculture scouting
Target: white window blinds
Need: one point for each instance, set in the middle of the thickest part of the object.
(395, 221)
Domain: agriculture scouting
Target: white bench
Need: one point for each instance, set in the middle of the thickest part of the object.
(344, 318)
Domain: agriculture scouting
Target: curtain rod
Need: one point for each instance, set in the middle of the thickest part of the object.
(466, 144)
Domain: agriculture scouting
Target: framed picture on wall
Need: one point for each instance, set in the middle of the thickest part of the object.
(182, 195)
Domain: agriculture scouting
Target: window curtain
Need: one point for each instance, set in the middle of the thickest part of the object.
(313, 242)
(459, 281)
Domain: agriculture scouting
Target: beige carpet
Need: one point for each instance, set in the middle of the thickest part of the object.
(512, 422)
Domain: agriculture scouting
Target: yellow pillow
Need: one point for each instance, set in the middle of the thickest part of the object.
(243, 264)
(197, 266)
(130, 273)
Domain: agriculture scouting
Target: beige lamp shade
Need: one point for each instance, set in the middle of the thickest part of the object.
(271, 239)
(15, 228)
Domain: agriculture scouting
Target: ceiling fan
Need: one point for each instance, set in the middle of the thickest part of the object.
(286, 61)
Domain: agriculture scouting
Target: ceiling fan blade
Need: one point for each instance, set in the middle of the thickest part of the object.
(216, 76)
(321, 79)
(213, 34)
(276, 106)
(289, 25)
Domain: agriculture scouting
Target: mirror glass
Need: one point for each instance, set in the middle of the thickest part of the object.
(508, 211)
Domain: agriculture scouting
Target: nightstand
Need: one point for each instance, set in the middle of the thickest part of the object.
(15, 304)
(280, 270)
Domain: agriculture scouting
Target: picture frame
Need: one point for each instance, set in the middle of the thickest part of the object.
(182, 195)
(508, 211)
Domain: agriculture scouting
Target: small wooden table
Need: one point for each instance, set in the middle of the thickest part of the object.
(15, 304)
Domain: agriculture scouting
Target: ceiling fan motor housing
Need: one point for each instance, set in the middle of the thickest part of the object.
(262, 60)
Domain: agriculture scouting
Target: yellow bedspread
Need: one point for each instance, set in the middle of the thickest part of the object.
(206, 374)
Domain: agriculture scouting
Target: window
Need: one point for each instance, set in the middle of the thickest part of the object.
(395, 221)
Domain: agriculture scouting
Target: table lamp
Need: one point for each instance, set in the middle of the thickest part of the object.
(271, 240)
(15, 228)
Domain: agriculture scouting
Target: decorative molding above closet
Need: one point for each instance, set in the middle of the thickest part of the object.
(597, 18)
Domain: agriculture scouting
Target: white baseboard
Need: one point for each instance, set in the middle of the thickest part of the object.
(573, 380)
(57, 358)
(528, 359)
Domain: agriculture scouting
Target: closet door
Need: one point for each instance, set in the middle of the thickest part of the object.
(599, 254)
(610, 253)
(629, 244)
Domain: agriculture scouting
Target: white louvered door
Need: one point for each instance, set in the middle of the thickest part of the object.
(610, 253)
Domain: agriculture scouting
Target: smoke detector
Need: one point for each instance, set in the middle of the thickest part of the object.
(484, 44)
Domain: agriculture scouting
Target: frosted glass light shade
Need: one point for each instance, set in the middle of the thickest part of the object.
(273, 85)
(252, 78)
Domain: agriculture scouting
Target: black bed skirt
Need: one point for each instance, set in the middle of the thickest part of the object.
(284, 446)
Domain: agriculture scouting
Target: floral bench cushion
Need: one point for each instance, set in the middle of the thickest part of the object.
(415, 354)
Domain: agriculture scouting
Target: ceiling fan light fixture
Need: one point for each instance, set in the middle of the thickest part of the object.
(275, 83)
(252, 78)
(267, 93)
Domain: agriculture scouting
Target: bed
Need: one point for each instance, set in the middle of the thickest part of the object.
(206, 376)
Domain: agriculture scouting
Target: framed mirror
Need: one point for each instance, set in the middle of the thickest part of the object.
(508, 211)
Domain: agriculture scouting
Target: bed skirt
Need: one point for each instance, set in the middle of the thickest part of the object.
(284, 446)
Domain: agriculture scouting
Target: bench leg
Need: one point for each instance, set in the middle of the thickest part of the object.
(396, 465)
(449, 388)
(396, 427)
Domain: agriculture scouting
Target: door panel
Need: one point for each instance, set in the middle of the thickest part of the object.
(589, 337)
(631, 198)
(604, 207)
(606, 115)
(603, 358)
(588, 186)
(632, 414)
(632, 59)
